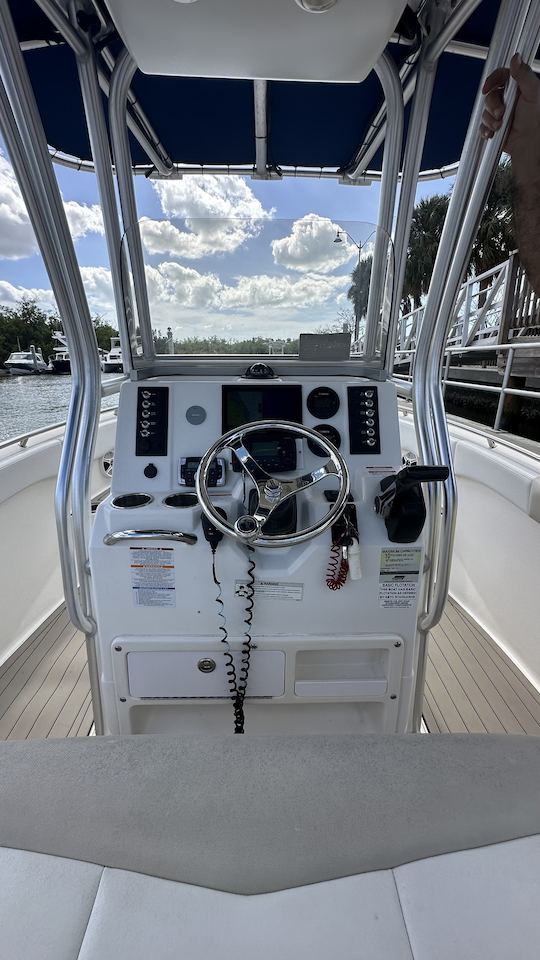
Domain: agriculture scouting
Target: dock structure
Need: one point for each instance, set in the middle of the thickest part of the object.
(493, 346)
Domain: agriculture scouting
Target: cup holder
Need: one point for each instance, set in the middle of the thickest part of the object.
(181, 500)
(132, 500)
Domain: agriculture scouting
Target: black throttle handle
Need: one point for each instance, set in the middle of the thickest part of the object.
(401, 502)
(410, 476)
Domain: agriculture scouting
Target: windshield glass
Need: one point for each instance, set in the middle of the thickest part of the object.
(252, 287)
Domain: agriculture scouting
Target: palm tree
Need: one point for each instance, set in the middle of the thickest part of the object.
(358, 292)
(495, 239)
(426, 229)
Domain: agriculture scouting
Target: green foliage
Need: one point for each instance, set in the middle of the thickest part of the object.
(426, 229)
(104, 333)
(26, 324)
(495, 239)
(358, 292)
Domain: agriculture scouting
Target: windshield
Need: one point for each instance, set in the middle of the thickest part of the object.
(253, 287)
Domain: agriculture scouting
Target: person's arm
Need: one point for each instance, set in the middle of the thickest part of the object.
(523, 145)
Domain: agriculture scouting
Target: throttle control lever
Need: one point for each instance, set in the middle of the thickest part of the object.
(401, 501)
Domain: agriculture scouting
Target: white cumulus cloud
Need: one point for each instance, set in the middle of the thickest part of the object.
(310, 246)
(266, 291)
(11, 294)
(219, 215)
(17, 238)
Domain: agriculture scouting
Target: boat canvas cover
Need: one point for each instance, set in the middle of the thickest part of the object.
(210, 121)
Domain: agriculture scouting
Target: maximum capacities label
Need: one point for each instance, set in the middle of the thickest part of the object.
(152, 576)
(271, 590)
(399, 577)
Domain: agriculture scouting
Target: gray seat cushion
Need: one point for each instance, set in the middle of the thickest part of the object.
(251, 815)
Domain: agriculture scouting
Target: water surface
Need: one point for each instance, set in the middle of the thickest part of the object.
(30, 402)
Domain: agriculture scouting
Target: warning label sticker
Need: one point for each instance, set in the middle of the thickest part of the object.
(152, 576)
(399, 577)
(271, 590)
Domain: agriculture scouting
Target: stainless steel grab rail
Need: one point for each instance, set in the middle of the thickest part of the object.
(517, 28)
(110, 539)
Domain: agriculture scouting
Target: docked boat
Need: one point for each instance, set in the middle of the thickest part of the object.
(263, 589)
(111, 362)
(60, 361)
(24, 362)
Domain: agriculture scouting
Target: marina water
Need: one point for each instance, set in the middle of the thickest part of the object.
(30, 402)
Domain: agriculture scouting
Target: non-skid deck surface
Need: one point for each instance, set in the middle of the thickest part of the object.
(44, 686)
(471, 685)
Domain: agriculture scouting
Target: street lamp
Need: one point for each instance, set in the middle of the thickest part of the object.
(338, 239)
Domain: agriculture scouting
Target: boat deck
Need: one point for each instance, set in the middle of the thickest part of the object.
(471, 685)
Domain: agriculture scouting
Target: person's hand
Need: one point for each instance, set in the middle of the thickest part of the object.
(524, 132)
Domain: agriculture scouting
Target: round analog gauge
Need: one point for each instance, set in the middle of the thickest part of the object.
(329, 433)
(323, 403)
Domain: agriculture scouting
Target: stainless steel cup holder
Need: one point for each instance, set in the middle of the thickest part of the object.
(181, 500)
(128, 500)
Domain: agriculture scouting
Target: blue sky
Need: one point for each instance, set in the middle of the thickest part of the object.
(228, 277)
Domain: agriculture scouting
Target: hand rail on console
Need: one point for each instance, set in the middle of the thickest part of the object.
(110, 539)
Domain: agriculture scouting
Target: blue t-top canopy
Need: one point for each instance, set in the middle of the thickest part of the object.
(210, 122)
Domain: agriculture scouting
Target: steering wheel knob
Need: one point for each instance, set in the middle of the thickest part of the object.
(247, 527)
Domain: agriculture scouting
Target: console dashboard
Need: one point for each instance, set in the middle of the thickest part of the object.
(324, 660)
(168, 427)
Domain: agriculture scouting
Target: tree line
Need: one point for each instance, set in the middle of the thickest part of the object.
(28, 324)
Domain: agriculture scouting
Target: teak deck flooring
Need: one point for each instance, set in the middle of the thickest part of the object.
(471, 685)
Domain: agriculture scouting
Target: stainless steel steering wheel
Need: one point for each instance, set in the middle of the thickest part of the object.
(272, 491)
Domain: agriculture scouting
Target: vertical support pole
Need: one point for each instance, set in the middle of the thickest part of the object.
(509, 298)
(506, 381)
(517, 27)
(446, 371)
(465, 326)
(386, 70)
(121, 78)
(414, 147)
(99, 144)
(26, 143)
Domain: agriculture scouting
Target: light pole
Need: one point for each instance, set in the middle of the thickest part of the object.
(338, 239)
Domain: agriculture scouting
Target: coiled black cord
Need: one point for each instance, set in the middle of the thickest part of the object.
(248, 620)
(237, 685)
(231, 669)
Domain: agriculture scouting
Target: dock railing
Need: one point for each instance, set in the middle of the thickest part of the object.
(504, 390)
(494, 307)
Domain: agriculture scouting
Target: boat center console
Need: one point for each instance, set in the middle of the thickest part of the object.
(274, 586)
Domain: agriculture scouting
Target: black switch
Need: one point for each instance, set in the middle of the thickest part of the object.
(150, 471)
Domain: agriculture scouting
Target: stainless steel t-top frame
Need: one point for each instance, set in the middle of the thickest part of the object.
(517, 28)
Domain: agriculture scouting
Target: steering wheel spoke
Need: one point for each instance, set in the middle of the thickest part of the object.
(257, 474)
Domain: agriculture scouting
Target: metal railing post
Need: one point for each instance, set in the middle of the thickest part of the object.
(386, 70)
(414, 147)
(26, 143)
(516, 28)
(122, 75)
(504, 386)
(446, 372)
(99, 144)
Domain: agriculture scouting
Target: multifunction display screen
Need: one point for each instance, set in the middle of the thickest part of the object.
(244, 404)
